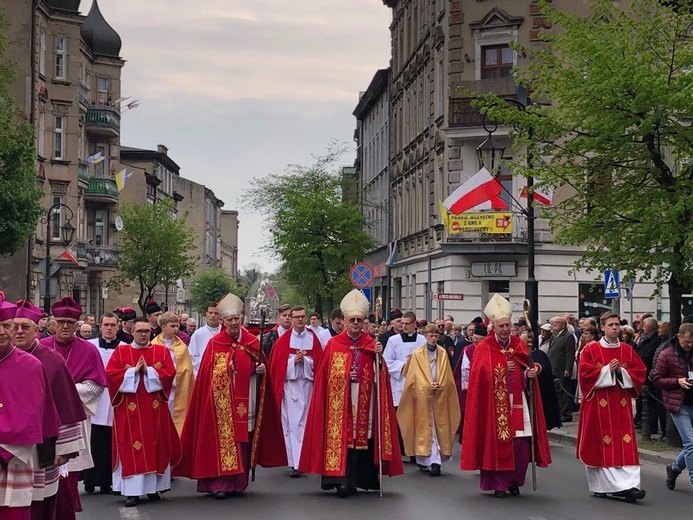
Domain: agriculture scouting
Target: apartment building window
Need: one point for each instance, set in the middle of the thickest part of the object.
(440, 86)
(57, 218)
(102, 90)
(41, 145)
(42, 53)
(60, 57)
(100, 228)
(59, 130)
(497, 61)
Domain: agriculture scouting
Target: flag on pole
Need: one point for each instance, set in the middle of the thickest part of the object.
(121, 178)
(542, 194)
(131, 105)
(393, 252)
(481, 191)
(445, 217)
(95, 159)
(118, 101)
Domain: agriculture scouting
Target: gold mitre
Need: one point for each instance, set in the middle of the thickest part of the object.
(355, 304)
(230, 305)
(497, 308)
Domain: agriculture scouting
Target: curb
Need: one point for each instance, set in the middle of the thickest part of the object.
(654, 457)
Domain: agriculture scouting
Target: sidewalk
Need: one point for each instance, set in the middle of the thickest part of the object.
(567, 436)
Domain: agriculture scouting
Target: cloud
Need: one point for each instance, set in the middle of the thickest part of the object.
(239, 89)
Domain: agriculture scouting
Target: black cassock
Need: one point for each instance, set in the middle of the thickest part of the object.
(552, 410)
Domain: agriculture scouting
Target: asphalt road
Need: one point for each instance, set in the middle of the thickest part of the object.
(562, 494)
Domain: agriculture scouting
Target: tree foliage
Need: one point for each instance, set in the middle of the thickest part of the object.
(618, 132)
(315, 234)
(211, 285)
(153, 248)
(20, 198)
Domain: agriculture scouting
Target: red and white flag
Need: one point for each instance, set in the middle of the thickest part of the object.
(481, 191)
(542, 194)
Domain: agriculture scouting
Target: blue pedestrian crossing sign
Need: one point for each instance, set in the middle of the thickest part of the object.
(611, 284)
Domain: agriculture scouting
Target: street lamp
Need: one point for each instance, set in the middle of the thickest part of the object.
(67, 231)
(494, 152)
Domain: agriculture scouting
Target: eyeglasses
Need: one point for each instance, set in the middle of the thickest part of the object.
(63, 323)
(355, 320)
(24, 326)
(145, 331)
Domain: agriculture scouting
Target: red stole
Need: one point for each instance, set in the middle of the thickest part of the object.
(606, 435)
(279, 358)
(490, 422)
(217, 420)
(330, 424)
(144, 438)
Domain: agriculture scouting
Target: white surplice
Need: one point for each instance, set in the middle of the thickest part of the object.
(198, 344)
(396, 355)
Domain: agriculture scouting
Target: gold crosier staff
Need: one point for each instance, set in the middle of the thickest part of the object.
(530, 390)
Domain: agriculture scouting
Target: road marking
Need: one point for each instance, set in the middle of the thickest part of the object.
(132, 514)
(536, 518)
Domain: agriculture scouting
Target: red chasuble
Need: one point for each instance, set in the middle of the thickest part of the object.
(606, 435)
(279, 359)
(144, 436)
(217, 420)
(329, 427)
(489, 420)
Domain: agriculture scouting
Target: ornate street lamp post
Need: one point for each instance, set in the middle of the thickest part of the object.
(491, 152)
(67, 231)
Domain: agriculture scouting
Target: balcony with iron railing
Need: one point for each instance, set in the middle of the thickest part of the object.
(514, 241)
(463, 113)
(102, 189)
(102, 257)
(103, 120)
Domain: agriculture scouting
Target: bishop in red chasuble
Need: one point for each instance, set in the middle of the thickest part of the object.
(342, 430)
(145, 441)
(232, 423)
(498, 428)
(610, 375)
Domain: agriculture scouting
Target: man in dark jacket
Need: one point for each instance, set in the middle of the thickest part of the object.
(395, 327)
(562, 355)
(647, 346)
(673, 373)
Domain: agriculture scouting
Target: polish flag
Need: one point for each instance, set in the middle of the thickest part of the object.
(542, 194)
(481, 191)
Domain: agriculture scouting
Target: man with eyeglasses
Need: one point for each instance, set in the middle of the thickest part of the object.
(84, 363)
(295, 357)
(67, 403)
(232, 421)
(339, 442)
(28, 421)
(140, 377)
(102, 422)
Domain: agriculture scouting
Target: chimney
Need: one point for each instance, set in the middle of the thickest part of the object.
(162, 149)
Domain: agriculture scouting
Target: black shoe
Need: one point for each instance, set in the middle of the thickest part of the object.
(634, 494)
(236, 493)
(500, 494)
(294, 473)
(422, 468)
(435, 470)
(154, 497)
(343, 491)
(514, 491)
(412, 460)
(132, 501)
(567, 418)
(601, 495)
(89, 489)
(221, 495)
(104, 490)
(671, 477)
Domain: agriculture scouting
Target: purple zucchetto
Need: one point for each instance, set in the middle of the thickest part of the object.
(26, 310)
(7, 309)
(66, 308)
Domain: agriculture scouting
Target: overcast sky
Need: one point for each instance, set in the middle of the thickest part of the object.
(238, 89)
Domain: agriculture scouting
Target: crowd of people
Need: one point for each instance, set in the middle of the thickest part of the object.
(154, 397)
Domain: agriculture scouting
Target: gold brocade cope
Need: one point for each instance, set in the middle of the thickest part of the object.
(185, 379)
(421, 407)
(221, 382)
(336, 402)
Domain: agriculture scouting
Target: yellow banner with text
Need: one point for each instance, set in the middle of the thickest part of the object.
(486, 222)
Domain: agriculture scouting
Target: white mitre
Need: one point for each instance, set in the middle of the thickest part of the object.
(230, 305)
(355, 304)
(497, 308)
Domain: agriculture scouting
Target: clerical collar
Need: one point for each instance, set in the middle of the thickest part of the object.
(504, 344)
(237, 339)
(431, 348)
(407, 338)
(607, 344)
(297, 333)
(106, 344)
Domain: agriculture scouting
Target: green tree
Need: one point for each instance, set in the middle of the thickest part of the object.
(211, 285)
(153, 248)
(315, 234)
(20, 198)
(248, 276)
(617, 131)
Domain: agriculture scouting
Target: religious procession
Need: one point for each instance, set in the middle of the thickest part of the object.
(144, 405)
